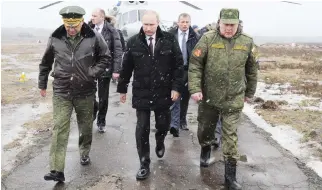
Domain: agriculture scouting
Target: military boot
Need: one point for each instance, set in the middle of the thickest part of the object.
(205, 156)
(230, 175)
(55, 176)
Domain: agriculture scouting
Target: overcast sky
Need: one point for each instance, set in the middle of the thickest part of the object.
(261, 18)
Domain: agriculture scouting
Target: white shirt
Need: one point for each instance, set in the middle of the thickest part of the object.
(153, 41)
(180, 36)
(100, 27)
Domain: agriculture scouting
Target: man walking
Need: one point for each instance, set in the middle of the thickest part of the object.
(112, 38)
(187, 39)
(222, 75)
(80, 56)
(156, 60)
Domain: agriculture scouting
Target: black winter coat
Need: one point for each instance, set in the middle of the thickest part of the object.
(112, 38)
(193, 39)
(154, 76)
(75, 69)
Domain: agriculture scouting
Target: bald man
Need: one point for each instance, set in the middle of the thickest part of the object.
(111, 36)
(156, 60)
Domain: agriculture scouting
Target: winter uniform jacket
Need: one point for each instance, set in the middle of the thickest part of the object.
(75, 67)
(154, 76)
(224, 70)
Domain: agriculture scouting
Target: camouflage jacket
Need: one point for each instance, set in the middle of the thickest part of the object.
(224, 70)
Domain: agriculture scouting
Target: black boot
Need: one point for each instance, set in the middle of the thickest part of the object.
(143, 173)
(144, 170)
(85, 160)
(55, 176)
(205, 156)
(160, 148)
(230, 175)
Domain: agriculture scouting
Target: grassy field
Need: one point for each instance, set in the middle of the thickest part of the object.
(302, 69)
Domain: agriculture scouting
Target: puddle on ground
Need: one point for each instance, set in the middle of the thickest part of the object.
(12, 119)
(14, 116)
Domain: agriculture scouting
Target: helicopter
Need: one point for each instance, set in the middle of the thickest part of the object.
(128, 15)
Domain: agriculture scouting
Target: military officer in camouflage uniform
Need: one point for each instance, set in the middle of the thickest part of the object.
(222, 75)
(79, 55)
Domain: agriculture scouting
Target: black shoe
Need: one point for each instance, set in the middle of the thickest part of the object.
(101, 128)
(143, 173)
(230, 175)
(184, 127)
(160, 149)
(174, 132)
(205, 156)
(55, 176)
(85, 160)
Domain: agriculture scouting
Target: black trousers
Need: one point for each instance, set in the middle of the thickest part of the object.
(102, 105)
(162, 124)
(184, 102)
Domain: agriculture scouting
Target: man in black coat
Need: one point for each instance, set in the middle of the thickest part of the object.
(100, 23)
(76, 55)
(156, 60)
(187, 39)
(112, 21)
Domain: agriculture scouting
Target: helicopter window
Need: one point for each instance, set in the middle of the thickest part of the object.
(125, 18)
(141, 13)
(133, 16)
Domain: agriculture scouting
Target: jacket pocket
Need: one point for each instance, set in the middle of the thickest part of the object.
(166, 52)
(137, 54)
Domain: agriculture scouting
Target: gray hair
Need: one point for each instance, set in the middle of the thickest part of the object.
(101, 11)
(185, 15)
(152, 12)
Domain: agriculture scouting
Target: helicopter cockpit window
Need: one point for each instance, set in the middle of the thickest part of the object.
(141, 13)
(125, 18)
(133, 16)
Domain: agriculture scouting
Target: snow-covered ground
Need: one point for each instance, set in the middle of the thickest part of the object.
(286, 136)
(282, 92)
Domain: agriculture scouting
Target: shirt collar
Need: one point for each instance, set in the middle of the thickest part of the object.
(73, 37)
(100, 26)
(180, 32)
(153, 36)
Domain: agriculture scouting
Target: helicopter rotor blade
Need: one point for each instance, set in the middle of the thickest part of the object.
(291, 2)
(190, 5)
(51, 4)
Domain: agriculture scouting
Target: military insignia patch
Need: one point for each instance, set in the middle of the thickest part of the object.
(197, 52)
(240, 47)
(218, 46)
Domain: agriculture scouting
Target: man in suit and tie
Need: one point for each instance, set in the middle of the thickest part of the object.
(100, 23)
(155, 59)
(187, 39)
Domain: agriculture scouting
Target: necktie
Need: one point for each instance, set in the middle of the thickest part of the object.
(184, 49)
(151, 45)
(97, 29)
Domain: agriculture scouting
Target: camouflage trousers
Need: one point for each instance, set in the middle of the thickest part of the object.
(63, 108)
(207, 120)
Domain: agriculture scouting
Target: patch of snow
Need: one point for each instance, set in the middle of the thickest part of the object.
(282, 93)
(288, 138)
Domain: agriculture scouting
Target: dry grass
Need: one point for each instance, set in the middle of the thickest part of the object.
(11, 145)
(310, 102)
(305, 121)
(44, 123)
(23, 48)
(13, 91)
(295, 72)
